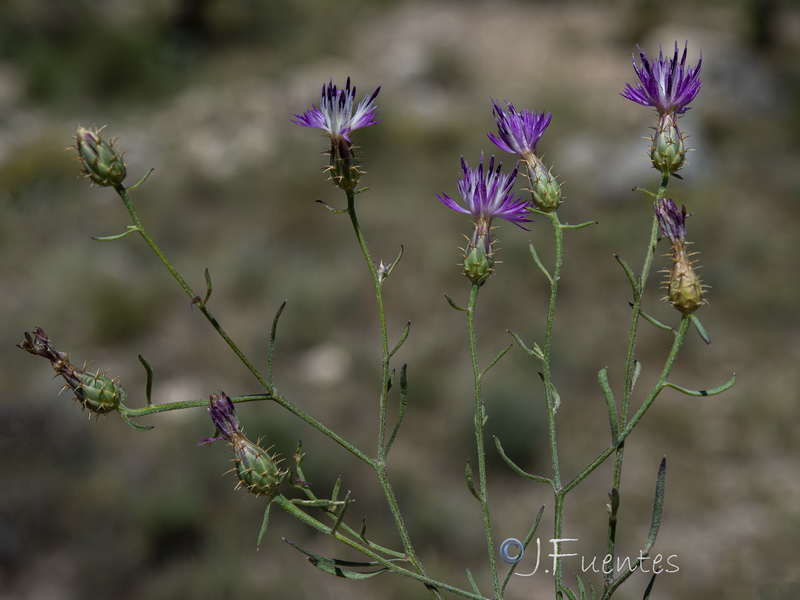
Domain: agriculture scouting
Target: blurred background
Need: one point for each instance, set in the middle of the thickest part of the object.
(203, 91)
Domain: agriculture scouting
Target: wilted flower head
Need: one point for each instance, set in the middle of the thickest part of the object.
(684, 288)
(487, 194)
(335, 113)
(665, 84)
(519, 132)
(257, 470)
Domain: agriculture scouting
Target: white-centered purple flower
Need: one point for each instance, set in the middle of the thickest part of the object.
(666, 84)
(336, 114)
(487, 194)
(519, 132)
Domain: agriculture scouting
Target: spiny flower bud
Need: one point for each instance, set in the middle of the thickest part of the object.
(95, 391)
(478, 259)
(100, 161)
(684, 288)
(257, 470)
(668, 151)
(544, 187)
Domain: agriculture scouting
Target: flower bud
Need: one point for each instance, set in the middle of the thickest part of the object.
(544, 186)
(100, 161)
(668, 152)
(684, 289)
(344, 169)
(95, 391)
(478, 259)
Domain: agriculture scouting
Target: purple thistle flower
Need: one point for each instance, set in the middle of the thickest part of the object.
(335, 114)
(666, 84)
(488, 194)
(224, 417)
(671, 222)
(519, 131)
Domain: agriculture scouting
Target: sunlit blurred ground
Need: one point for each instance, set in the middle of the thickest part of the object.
(203, 92)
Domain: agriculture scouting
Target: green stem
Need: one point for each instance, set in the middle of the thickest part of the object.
(135, 413)
(480, 413)
(379, 464)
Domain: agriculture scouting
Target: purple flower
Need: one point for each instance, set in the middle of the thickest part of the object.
(666, 84)
(672, 222)
(519, 131)
(488, 194)
(335, 114)
(223, 415)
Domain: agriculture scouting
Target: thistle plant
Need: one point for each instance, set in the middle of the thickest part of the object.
(488, 196)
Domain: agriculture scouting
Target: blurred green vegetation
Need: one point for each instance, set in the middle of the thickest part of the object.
(203, 91)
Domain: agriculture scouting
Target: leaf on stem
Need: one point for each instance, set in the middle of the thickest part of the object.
(264, 524)
(471, 482)
(700, 329)
(472, 583)
(525, 542)
(579, 225)
(454, 305)
(535, 352)
(271, 346)
(652, 581)
(658, 505)
(345, 503)
(652, 320)
(710, 392)
(567, 592)
(516, 468)
(111, 238)
(500, 355)
(128, 421)
(611, 404)
(148, 390)
(631, 277)
(141, 181)
(538, 262)
(402, 340)
(391, 267)
(402, 409)
(338, 211)
(637, 370)
(335, 566)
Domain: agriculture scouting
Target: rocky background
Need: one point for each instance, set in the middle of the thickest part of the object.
(203, 91)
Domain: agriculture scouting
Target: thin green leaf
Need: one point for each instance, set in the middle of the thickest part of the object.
(568, 592)
(525, 542)
(653, 321)
(637, 370)
(340, 516)
(264, 524)
(535, 352)
(710, 392)
(394, 264)
(341, 568)
(209, 287)
(111, 238)
(137, 427)
(579, 225)
(271, 346)
(402, 409)
(658, 505)
(471, 482)
(472, 583)
(631, 277)
(611, 404)
(454, 305)
(581, 589)
(538, 262)
(649, 587)
(500, 355)
(516, 468)
(148, 389)
(337, 211)
(402, 339)
(141, 181)
(700, 329)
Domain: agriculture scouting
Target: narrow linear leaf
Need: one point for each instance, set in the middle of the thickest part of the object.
(581, 589)
(658, 505)
(637, 370)
(402, 409)
(579, 225)
(137, 427)
(525, 542)
(148, 390)
(471, 482)
(395, 263)
(568, 592)
(472, 583)
(611, 404)
(336, 486)
(338, 211)
(345, 503)
(500, 355)
(536, 352)
(341, 568)
(141, 181)
(631, 277)
(709, 392)
(700, 329)
(271, 346)
(402, 340)
(453, 304)
(264, 524)
(516, 468)
(652, 320)
(539, 264)
(111, 238)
